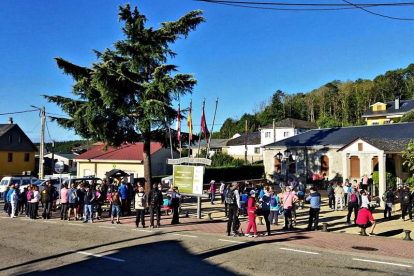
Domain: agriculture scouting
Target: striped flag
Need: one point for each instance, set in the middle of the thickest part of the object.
(204, 127)
(190, 125)
(178, 124)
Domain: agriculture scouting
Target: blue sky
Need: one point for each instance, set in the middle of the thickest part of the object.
(239, 55)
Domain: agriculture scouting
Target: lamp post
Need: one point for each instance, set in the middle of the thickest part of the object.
(285, 157)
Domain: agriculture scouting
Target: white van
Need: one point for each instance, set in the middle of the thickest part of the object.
(21, 180)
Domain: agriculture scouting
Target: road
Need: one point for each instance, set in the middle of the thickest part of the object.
(55, 247)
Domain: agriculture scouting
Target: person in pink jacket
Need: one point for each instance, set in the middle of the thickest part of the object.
(212, 191)
(64, 201)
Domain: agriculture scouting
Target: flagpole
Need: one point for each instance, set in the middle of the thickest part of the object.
(199, 135)
(212, 128)
(190, 128)
(172, 155)
(179, 127)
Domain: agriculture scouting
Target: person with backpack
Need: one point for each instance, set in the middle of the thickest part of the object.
(301, 195)
(233, 202)
(48, 200)
(388, 198)
(175, 204)
(288, 201)
(123, 190)
(243, 203)
(331, 195)
(155, 201)
(64, 196)
(72, 198)
(353, 205)
(406, 204)
(266, 209)
(274, 208)
(251, 212)
(226, 206)
(116, 205)
(140, 205)
(339, 197)
(315, 200)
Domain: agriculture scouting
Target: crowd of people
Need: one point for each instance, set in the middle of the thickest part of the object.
(85, 202)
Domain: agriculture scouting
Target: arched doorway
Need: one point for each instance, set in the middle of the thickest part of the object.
(278, 166)
(325, 165)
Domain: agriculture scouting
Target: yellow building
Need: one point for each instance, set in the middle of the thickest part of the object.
(387, 113)
(17, 152)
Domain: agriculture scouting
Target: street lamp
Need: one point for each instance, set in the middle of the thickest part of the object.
(285, 157)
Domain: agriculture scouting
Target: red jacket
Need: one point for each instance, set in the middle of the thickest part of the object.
(251, 205)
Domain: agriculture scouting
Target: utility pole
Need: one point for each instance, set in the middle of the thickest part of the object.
(245, 143)
(42, 144)
(274, 130)
(53, 157)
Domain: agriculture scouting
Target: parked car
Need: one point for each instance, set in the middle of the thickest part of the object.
(21, 180)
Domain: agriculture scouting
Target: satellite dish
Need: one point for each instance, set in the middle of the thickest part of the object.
(59, 167)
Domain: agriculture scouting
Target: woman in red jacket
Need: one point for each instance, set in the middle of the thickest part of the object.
(251, 211)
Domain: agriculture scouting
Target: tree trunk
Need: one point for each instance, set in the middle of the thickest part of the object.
(147, 163)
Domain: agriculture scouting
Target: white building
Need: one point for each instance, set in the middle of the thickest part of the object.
(284, 129)
(236, 147)
(66, 158)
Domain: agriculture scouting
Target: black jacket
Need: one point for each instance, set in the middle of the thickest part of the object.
(49, 193)
(152, 197)
(89, 197)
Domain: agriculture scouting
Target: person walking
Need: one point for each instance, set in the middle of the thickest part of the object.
(64, 201)
(288, 200)
(266, 210)
(35, 198)
(406, 204)
(72, 199)
(155, 200)
(251, 212)
(116, 205)
(212, 191)
(331, 195)
(222, 187)
(140, 205)
(315, 200)
(301, 195)
(48, 200)
(233, 202)
(388, 199)
(347, 189)
(354, 201)
(89, 200)
(175, 204)
(339, 197)
(274, 208)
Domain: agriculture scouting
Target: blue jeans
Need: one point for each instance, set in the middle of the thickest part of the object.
(88, 212)
(116, 210)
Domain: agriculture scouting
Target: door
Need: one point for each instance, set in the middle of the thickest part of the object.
(355, 167)
(278, 168)
(325, 165)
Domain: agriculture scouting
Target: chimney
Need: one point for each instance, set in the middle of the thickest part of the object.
(10, 120)
(397, 103)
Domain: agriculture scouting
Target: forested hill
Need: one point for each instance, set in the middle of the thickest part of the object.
(337, 103)
(66, 146)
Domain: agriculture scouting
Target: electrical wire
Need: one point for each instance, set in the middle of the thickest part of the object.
(18, 112)
(379, 14)
(308, 4)
(48, 133)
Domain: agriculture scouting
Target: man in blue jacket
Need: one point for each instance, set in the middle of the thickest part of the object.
(315, 207)
(89, 200)
(123, 191)
(8, 199)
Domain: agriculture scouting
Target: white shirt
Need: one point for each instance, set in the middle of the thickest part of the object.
(365, 201)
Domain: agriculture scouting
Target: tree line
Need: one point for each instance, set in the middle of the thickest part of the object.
(335, 104)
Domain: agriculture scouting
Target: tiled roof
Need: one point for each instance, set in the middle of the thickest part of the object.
(343, 136)
(124, 152)
(4, 128)
(252, 139)
(295, 123)
(405, 106)
(396, 145)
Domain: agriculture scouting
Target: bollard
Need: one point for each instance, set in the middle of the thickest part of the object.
(209, 216)
(260, 221)
(325, 227)
(363, 231)
(407, 235)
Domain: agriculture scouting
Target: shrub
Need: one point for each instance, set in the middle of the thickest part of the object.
(390, 179)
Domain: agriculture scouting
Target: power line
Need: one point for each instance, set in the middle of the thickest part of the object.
(18, 112)
(307, 4)
(48, 133)
(379, 14)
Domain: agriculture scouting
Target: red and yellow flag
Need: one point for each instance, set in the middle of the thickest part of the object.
(190, 125)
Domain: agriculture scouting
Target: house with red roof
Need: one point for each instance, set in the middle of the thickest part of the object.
(128, 157)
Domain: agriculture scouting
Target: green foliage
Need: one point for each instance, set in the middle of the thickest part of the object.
(66, 146)
(390, 179)
(408, 156)
(328, 122)
(410, 181)
(234, 173)
(408, 117)
(222, 159)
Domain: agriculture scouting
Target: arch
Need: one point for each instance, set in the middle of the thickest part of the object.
(325, 165)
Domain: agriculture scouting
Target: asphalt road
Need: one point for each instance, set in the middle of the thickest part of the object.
(54, 247)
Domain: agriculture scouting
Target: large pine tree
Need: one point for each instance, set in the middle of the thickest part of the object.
(127, 95)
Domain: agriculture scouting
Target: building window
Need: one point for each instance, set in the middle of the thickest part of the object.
(360, 146)
(286, 134)
(386, 121)
(375, 122)
(86, 172)
(20, 139)
(379, 107)
(325, 165)
(257, 150)
(10, 157)
(26, 157)
(355, 167)
(10, 138)
(267, 134)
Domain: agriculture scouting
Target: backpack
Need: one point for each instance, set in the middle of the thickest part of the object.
(140, 201)
(273, 202)
(155, 198)
(406, 199)
(230, 197)
(384, 196)
(353, 198)
(301, 192)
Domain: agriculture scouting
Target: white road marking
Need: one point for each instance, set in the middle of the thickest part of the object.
(300, 251)
(378, 262)
(148, 231)
(232, 241)
(188, 236)
(109, 227)
(76, 224)
(100, 256)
